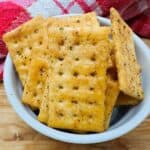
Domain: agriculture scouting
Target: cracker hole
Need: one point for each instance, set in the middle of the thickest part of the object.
(36, 31)
(75, 88)
(42, 69)
(46, 105)
(78, 120)
(91, 89)
(91, 102)
(61, 42)
(18, 52)
(24, 63)
(60, 73)
(93, 74)
(74, 102)
(60, 114)
(77, 43)
(60, 58)
(30, 47)
(40, 42)
(78, 21)
(38, 82)
(24, 57)
(75, 74)
(118, 20)
(60, 101)
(93, 58)
(34, 94)
(60, 87)
(76, 59)
(90, 116)
(74, 115)
(94, 43)
(70, 48)
(61, 28)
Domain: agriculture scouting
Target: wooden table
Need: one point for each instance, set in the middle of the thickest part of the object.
(16, 135)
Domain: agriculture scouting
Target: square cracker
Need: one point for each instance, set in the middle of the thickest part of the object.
(21, 42)
(36, 83)
(127, 66)
(126, 100)
(79, 66)
(112, 92)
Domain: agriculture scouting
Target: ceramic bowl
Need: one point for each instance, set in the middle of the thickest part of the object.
(124, 119)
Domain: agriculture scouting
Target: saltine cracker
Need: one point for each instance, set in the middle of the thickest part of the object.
(127, 66)
(79, 66)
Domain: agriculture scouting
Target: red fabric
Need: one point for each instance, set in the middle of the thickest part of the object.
(141, 24)
(120, 5)
(84, 5)
(81, 3)
(8, 12)
(64, 10)
(11, 16)
(135, 12)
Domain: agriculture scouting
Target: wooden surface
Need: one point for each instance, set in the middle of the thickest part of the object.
(16, 135)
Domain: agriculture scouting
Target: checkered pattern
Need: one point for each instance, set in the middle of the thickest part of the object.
(56, 7)
(135, 12)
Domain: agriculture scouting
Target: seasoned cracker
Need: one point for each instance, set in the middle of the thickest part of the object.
(112, 92)
(126, 100)
(79, 66)
(36, 83)
(127, 66)
(21, 42)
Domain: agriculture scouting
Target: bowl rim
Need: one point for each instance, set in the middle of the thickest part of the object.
(72, 137)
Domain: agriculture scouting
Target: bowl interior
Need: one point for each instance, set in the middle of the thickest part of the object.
(123, 119)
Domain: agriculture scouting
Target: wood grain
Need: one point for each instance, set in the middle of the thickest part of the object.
(16, 135)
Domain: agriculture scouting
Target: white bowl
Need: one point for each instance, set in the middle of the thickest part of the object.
(129, 119)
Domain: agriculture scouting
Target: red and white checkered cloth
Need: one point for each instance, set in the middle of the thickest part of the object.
(15, 12)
